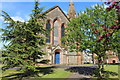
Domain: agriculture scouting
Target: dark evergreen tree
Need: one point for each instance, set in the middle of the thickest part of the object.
(26, 41)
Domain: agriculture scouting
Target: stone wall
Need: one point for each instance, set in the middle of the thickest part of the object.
(72, 59)
(56, 13)
(112, 59)
(64, 59)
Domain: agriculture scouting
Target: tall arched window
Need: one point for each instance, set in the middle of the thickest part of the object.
(56, 32)
(62, 32)
(48, 26)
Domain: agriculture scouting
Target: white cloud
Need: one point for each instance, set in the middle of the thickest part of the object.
(17, 18)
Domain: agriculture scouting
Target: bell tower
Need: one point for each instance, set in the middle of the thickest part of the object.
(71, 10)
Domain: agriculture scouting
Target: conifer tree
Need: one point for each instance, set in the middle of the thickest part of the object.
(26, 41)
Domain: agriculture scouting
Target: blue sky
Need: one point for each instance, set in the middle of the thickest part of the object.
(21, 10)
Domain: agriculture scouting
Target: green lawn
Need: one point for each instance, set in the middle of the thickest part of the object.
(9, 72)
(68, 65)
(60, 72)
(44, 65)
(83, 65)
(57, 73)
(113, 68)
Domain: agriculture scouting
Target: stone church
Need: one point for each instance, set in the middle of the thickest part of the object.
(58, 20)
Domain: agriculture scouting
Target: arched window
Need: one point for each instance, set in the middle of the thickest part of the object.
(62, 32)
(56, 32)
(48, 26)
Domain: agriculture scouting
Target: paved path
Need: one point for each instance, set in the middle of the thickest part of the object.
(79, 72)
(77, 76)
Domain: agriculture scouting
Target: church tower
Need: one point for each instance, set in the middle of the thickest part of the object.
(71, 10)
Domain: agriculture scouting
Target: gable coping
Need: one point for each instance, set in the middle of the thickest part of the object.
(54, 8)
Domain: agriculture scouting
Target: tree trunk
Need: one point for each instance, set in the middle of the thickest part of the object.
(99, 68)
(93, 58)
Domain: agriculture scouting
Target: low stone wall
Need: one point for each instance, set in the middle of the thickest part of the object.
(72, 59)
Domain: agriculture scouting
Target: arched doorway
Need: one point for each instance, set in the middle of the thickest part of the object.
(57, 56)
(114, 61)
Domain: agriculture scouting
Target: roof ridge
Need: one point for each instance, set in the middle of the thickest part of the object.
(54, 8)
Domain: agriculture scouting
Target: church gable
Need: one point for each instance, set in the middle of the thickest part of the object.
(56, 12)
(57, 20)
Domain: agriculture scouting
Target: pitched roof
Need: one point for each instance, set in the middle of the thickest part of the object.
(54, 8)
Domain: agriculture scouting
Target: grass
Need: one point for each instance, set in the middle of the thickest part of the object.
(9, 72)
(113, 68)
(44, 65)
(59, 72)
(68, 65)
(83, 65)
